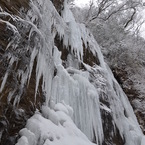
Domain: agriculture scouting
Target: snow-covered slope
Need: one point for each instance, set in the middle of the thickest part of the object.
(60, 50)
(52, 127)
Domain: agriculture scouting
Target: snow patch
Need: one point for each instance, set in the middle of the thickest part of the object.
(42, 131)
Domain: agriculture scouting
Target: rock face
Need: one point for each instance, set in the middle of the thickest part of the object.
(15, 42)
(14, 58)
(58, 5)
(133, 94)
(45, 55)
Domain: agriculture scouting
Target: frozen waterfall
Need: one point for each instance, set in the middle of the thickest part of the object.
(73, 89)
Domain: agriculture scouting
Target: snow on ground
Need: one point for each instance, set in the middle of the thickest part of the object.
(56, 128)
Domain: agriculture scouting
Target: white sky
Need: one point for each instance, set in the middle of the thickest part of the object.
(81, 3)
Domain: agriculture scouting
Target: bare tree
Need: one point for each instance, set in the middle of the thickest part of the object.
(125, 10)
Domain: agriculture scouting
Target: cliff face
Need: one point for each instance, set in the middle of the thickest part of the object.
(17, 102)
(135, 97)
(45, 55)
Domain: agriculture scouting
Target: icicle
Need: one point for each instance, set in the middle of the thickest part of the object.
(77, 91)
(4, 81)
(6, 74)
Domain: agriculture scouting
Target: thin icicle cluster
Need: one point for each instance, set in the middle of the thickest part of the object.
(73, 87)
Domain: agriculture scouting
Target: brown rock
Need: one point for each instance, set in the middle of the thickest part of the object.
(13, 116)
(14, 6)
(58, 5)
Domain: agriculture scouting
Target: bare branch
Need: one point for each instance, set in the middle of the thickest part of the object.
(131, 18)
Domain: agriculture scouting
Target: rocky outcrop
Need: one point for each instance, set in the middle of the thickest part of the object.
(14, 58)
(133, 94)
(15, 7)
(58, 5)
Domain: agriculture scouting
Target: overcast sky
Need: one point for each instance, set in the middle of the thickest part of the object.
(81, 2)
